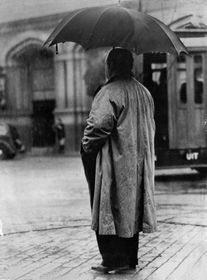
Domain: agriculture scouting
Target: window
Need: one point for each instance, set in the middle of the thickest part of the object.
(181, 79)
(198, 78)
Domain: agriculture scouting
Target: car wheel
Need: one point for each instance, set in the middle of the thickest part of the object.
(3, 152)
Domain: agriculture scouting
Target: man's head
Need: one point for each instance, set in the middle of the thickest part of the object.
(119, 62)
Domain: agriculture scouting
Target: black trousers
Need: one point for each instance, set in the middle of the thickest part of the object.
(115, 250)
(118, 251)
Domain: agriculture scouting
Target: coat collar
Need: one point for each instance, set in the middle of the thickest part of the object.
(116, 77)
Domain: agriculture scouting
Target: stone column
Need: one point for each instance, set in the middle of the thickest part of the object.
(71, 99)
(70, 83)
(60, 84)
(64, 88)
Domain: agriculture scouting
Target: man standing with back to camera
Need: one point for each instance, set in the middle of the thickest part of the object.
(118, 158)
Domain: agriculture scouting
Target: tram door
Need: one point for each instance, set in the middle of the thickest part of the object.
(187, 100)
(155, 80)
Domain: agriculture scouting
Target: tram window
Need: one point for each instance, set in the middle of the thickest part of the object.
(181, 79)
(198, 79)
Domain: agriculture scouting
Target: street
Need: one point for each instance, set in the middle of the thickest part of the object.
(45, 224)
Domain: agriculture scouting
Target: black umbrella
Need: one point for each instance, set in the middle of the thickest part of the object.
(116, 26)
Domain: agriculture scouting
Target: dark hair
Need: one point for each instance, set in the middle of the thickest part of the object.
(120, 61)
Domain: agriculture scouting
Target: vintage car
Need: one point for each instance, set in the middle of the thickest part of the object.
(10, 142)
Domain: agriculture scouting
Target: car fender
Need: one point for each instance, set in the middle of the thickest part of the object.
(7, 145)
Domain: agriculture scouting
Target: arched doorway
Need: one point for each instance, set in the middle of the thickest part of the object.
(31, 90)
(43, 98)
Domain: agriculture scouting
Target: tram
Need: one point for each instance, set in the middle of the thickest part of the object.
(179, 88)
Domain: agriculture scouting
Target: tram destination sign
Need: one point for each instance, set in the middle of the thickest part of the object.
(192, 155)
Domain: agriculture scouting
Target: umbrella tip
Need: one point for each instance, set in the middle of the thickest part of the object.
(56, 48)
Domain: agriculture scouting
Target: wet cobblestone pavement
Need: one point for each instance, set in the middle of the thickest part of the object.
(45, 225)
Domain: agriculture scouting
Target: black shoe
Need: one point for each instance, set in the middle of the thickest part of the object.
(106, 269)
(100, 268)
(132, 266)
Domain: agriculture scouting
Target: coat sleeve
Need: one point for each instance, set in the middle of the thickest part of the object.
(101, 121)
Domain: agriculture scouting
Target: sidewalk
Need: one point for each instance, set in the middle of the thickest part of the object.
(66, 249)
(174, 252)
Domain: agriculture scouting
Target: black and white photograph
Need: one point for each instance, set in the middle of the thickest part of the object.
(103, 140)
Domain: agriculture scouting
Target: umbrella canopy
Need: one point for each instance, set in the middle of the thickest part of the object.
(116, 26)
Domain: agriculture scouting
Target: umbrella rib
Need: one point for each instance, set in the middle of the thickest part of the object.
(133, 14)
(62, 24)
(97, 21)
(56, 30)
(169, 38)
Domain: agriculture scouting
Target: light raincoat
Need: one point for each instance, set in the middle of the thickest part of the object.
(121, 129)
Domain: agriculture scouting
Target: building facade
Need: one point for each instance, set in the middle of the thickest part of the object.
(37, 85)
